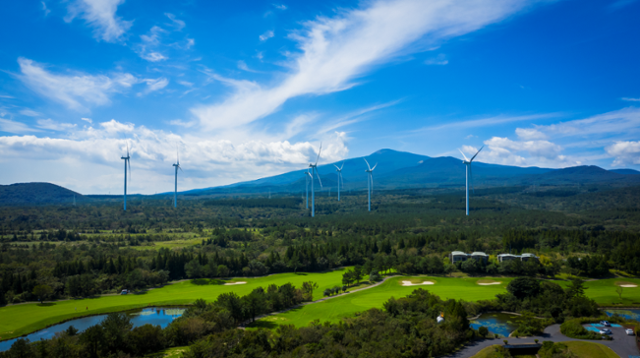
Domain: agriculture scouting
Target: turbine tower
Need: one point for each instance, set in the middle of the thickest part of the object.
(175, 193)
(306, 177)
(314, 170)
(339, 170)
(467, 162)
(126, 162)
(370, 180)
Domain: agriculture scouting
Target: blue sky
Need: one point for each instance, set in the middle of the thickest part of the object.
(250, 89)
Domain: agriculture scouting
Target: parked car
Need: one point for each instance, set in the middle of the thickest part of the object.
(124, 292)
(605, 323)
(605, 331)
(629, 331)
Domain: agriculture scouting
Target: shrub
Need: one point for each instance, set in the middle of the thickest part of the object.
(483, 331)
(573, 329)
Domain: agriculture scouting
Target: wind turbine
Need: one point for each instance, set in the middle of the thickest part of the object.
(370, 180)
(339, 170)
(314, 170)
(467, 162)
(126, 162)
(175, 193)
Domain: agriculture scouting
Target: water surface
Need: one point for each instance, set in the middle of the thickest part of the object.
(497, 323)
(157, 316)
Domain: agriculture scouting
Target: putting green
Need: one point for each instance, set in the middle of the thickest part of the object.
(343, 306)
(604, 292)
(17, 320)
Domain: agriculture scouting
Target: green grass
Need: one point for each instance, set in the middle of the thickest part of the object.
(334, 309)
(17, 320)
(604, 292)
(173, 244)
(175, 352)
(580, 348)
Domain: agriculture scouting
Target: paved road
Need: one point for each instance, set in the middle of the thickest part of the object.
(622, 344)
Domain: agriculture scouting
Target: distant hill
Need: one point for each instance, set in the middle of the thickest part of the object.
(36, 193)
(585, 174)
(625, 171)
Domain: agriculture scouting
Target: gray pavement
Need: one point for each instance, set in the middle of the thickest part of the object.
(621, 344)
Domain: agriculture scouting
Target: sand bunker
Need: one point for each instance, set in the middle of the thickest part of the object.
(488, 283)
(626, 284)
(409, 283)
(235, 283)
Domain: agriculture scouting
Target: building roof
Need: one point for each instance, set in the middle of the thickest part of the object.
(507, 255)
(529, 255)
(478, 253)
(458, 253)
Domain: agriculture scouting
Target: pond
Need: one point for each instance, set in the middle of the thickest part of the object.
(497, 323)
(628, 314)
(157, 316)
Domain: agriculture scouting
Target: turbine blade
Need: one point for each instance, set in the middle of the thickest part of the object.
(472, 158)
(318, 175)
(336, 167)
(342, 166)
(319, 151)
(374, 167)
(465, 157)
(368, 166)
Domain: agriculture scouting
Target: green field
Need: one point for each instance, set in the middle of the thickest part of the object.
(17, 320)
(343, 306)
(603, 291)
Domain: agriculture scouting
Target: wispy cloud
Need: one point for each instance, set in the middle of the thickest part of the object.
(441, 59)
(77, 91)
(45, 9)
(267, 35)
(176, 23)
(616, 5)
(629, 99)
(154, 85)
(89, 120)
(280, 6)
(488, 122)
(334, 51)
(101, 15)
(54, 126)
(30, 113)
(9, 126)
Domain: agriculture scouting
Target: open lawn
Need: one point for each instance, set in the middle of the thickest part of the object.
(468, 289)
(580, 348)
(17, 320)
(346, 305)
(175, 352)
(173, 244)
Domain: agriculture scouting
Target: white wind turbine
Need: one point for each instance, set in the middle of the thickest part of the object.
(467, 162)
(314, 170)
(339, 170)
(126, 162)
(370, 180)
(177, 166)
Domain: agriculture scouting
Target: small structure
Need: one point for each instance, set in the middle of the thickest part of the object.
(124, 291)
(523, 348)
(457, 256)
(527, 257)
(507, 257)
(480, 256)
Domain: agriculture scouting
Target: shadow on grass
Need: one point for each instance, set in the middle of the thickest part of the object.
(206, 281)
(46, 304)
(263, 324)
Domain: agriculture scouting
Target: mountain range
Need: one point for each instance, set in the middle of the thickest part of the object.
(395, 170)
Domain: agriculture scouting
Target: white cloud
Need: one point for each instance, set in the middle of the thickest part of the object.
(280, 6)
(54, 126)
(154, 85)
(178, 24)
(530, 134)
(30, 113)
(185, 83)
(9, 126)
(101, 15)
(6, 96)
(206, 161)
(87, 120)
(629, 99)
(267, 35)
(77, 91)
(626, 120)
(45, 9)
(441, 59)
(487, 122)
(624, 152)
(334, 51)
(181, 123)
(151, 56)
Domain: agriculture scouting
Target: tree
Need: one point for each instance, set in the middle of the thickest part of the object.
(576, 289)
(483, 331)
(619, 292)
(223, 271)
(357, 273)
(42, 292)
(522, 287)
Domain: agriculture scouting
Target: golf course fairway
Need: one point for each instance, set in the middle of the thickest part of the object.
(17, 320)
(468, 289)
